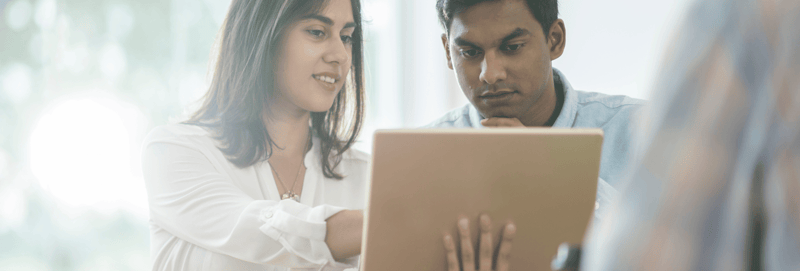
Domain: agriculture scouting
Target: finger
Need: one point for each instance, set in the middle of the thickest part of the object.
(485, 244)
(505, 247)
(467, 253)
(452, 257)
(502, 122)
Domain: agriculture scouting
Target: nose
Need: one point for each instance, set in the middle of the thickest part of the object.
(492, 68)
(337, 52)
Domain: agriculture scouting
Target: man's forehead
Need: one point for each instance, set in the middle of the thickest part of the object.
(486, 33)
(493, 20)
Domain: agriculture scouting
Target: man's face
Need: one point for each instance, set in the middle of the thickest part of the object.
(502, 59)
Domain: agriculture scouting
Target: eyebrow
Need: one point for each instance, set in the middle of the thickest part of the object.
(462, 42)
(513, 35)
(327, 20)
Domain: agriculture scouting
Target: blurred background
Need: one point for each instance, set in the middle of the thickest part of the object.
(83, 81)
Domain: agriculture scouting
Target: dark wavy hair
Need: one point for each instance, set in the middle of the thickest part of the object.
(545, 11)
(244, 82)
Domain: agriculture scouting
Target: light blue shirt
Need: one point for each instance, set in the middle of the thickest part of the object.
(614, 114)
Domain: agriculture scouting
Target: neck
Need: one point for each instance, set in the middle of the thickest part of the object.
(290, 132)
(543, 108)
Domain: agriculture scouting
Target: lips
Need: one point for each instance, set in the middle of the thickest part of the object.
(327, 77)
(496, 94)
(327, 80)
(497, 97)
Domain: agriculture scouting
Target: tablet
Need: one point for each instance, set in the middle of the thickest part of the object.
(543, 179)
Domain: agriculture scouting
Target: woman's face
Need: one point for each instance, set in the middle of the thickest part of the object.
(315, 59)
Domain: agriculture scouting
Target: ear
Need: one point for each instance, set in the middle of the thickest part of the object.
(447, 51)
(557, 39)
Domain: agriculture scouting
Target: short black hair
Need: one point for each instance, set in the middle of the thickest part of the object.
(545, 11)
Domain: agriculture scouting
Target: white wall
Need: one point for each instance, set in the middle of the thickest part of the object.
(615, 47)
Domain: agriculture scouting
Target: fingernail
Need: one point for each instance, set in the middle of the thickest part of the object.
(463, 223)
(447, 238)
(484, 219)
(511, 228)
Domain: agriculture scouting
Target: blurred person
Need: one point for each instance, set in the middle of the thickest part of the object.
(262, 176)
(718, 185)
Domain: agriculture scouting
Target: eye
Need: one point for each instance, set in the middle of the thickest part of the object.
(469, 53)
(511, 47)
(347, 39)
(316, 33)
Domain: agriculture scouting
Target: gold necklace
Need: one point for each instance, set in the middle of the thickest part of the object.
(290, 194)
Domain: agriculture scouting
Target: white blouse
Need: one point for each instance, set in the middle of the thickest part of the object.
(207, 214)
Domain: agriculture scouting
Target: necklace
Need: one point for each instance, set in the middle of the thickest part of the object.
(290, 194)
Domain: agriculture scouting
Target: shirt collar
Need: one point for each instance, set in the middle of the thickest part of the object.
(565, 119)
(569, 110)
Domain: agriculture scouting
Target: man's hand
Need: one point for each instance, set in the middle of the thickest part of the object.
(485, 250)
(502, 122)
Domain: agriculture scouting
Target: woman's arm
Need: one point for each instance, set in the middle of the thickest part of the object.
(344, 233)
(189, 198)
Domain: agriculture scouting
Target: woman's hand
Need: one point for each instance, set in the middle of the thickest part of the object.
(485, 250)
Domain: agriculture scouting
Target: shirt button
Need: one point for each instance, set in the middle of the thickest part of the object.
(268, 214)
(596, 205)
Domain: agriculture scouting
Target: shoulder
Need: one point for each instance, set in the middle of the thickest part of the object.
(173, 148)
(456, 118)
(610, 102)
(354, 167)
(356, 156)
(604, 108)
(186, 135)
(176, 130)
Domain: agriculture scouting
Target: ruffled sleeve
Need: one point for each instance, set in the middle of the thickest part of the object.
(191, 199)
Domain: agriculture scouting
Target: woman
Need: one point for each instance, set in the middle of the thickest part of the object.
(232, 187)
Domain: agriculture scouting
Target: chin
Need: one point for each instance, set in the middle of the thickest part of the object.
(318, 109)
(498, 112)
(319, 102)
(319, 105)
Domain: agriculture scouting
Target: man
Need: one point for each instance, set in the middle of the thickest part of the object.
(502, 53)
